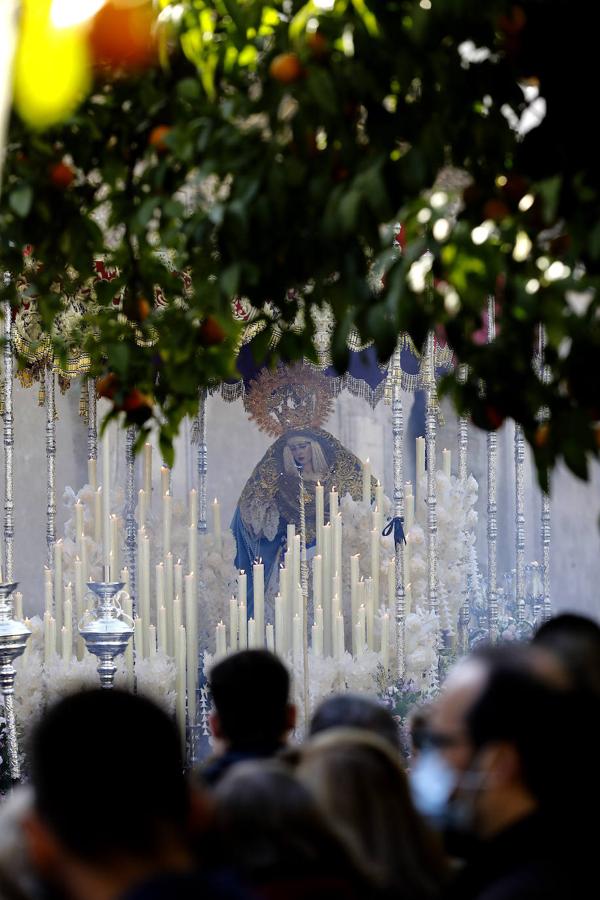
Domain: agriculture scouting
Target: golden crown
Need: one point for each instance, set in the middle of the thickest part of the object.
(288, 398)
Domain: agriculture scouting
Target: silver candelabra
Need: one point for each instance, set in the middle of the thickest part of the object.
(108, 629)
(13, 638)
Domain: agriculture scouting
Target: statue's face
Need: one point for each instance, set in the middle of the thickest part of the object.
(301, 451)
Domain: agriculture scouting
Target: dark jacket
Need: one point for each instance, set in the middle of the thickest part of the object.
(214, 769)
(189, 886)
(308, 888)
(523, 862)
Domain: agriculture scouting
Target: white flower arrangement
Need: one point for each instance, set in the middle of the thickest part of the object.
(329, 675)
(39, 684)
(155, 678)
(218, 582)
(421, 657)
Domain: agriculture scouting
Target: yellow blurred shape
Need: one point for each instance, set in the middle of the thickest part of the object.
(52, 69)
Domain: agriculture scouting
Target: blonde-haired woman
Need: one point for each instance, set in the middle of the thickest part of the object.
(361, 787)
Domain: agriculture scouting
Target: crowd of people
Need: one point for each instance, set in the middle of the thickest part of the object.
(490, 792)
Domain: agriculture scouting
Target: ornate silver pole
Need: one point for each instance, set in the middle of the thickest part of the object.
(304, 582)
(13, 638)
(430, 438)
(92, 420)
(545, 516)
(303, 560)
(9, 440)
(199, 432)
(130, 523)
(463, 448)
(50, 390)
(463, 431)
(398, 438)
(492, 505)
(520, 524)
(202, 462)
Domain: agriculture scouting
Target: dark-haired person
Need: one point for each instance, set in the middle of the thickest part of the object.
(252, 714)
(498, 776)
(356, 711)
(112, 808)
(574, 641)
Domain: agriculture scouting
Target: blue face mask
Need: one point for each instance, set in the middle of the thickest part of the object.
(447, 800)
(432, 782)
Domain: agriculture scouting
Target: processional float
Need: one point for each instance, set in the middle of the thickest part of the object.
(483, 614)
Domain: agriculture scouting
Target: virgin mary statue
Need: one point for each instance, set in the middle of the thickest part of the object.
(291, 402)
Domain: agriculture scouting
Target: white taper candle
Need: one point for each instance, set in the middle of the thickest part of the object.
(233, 624)
(366, 482)
(162, 629)
(319, 513)
(181, 680)
(148, 472)
(92, 473)
(242, 626)
(58, 583)
(447, 463)
(193, 508)
(216, 510)
(258, 580)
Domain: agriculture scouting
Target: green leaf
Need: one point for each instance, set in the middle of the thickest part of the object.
(368, 17)
(372, 186)
(349, 210)
(189, 89)
(322, 89)
(300, 20)
(594, 241)
(248, 56)
(576, 459)
(549, 191)
(230, 279)
(146, 211)
(20, 200)
(167, 450)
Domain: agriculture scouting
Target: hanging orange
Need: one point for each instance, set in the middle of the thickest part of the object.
(286, 68)
(61, 175)
(122, 35)
(157, 138)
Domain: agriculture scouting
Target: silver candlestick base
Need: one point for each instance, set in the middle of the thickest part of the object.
(13, 638)
(108, 631)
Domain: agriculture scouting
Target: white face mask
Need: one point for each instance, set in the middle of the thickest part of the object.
(442, 795)
(432, 782)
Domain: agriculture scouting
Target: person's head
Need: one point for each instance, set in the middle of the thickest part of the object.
(361, 787)
(356, 711)
(268, 825)
(492, 750)
(418, 729)
(111, 801)
(14, 862)
(575, 641)
(250, 692)
(302, 451)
